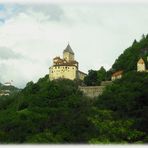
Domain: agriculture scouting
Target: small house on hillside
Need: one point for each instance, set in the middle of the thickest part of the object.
(117, 75)
(141, 65)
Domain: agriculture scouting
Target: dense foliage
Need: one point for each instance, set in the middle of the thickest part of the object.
(95, 77)
(121, 112)
(46, 112)
(57, 112)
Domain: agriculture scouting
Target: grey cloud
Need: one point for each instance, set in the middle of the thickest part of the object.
(6, 53)
(53, 12)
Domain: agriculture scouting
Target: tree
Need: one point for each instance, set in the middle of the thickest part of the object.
(135, 42)
(91, 79)
(101, 74)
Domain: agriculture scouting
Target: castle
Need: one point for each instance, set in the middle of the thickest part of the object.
(67, 67)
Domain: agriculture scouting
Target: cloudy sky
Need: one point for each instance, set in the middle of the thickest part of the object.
(32, 34)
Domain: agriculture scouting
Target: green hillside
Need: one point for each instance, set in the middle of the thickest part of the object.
(127, 61)
(12, 89)
(122, 110)
(57, 112)
(46, 112)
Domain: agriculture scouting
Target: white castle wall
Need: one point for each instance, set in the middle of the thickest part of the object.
(68, 72)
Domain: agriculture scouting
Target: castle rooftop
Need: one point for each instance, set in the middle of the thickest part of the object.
(68, 49)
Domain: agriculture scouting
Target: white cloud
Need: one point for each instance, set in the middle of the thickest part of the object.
(6, 54)
(97, 34)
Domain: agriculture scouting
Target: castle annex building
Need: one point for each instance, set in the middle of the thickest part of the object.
(67, 67)
(142, 66)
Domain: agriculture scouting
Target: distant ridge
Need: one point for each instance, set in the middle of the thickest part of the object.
(6, 90)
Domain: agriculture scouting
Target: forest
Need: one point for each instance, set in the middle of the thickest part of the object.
(56, 112)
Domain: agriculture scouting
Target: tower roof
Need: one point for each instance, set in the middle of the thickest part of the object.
(141, 61)
(68, 49)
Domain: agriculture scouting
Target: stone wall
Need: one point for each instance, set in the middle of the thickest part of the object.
(94, 91)
(91, 91)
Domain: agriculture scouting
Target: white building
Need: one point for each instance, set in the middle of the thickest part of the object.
(67, 67)
(141, 65)
(117, 75)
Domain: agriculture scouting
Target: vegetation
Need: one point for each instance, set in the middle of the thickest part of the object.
(46, 112)
(122, 110)
(57, 112)
(12, 90)
(95, 77)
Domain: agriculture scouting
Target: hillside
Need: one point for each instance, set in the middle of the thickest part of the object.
(127, 61)
(8, 89)
(46, 112)
(57, 112)
(123, 108)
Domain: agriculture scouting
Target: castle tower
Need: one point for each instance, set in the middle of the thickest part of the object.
(68, 54)
(66, 68)
(141, 65)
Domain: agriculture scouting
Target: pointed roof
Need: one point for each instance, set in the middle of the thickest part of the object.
(68, 49)
(141, 61)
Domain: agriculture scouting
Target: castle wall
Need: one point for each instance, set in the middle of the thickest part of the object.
(91, 91)
(81, 75)
(68, 72)
(94, 91)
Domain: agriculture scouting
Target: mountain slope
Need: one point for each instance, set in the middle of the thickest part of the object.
(8, 89)
(127, 61)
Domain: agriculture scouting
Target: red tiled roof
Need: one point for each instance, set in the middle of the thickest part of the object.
(117, 73)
